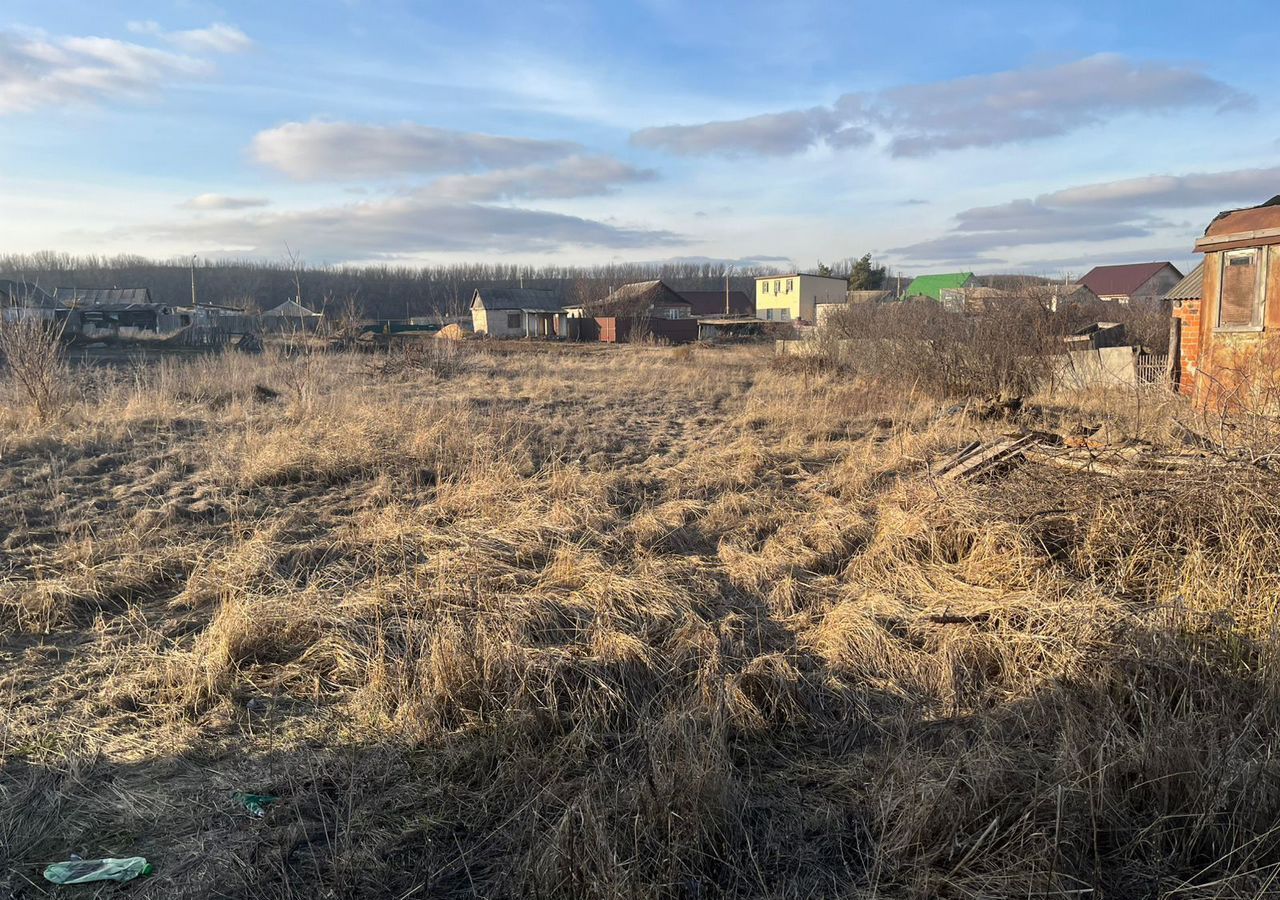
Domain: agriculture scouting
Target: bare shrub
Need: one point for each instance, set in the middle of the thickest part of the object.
(35, 362)
(440, 357)
(1002, 351)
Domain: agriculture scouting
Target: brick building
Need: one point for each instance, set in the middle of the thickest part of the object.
(1226, 339)
(1184, 298)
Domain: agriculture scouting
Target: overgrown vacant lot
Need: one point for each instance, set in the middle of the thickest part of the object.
(618, 623)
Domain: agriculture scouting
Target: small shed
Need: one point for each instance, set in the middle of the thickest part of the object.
(1225, 337)
(517, 312)
(1098, 336)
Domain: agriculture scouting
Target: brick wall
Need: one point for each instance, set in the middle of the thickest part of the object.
(1188, 312)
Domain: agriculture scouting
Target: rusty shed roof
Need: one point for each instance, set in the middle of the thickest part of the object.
(1190, 287)
(1252, 227)
(1126, 279)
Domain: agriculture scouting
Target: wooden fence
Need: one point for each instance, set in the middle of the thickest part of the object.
(1153, 369)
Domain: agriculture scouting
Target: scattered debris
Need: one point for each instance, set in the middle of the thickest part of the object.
(1075, 453)
(256, 804)
(975, 460)
(83, 871)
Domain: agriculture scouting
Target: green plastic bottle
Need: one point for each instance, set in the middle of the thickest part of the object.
(82, 871)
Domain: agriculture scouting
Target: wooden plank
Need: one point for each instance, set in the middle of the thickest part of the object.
(960, 457)
(991, 457)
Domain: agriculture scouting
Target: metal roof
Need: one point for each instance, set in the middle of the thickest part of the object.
(1124, 280)
(934, 285)
(1189, 288)
(100, 296)
(24, 293)
(517, 298)
(291, 309)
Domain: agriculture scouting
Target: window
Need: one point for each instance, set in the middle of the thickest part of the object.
(1241, 295)
(513, 320)
(786, 315)
(777, 287)
(788, 285)
(765, 286)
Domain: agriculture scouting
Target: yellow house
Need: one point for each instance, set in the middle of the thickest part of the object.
(796, 297)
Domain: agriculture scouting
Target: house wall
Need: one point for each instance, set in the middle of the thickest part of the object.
(1240, 365)
(1158, 285)
(493, 322)
(797, 295)
(1187, 312)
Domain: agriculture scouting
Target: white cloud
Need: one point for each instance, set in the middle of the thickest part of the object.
(320, 150)
(1238, 186)
(406, 225)
(771, 134)
(978, 111)
(576, 176)
(1091, 213)
(38, 70)
(221, 201)
(217, 38)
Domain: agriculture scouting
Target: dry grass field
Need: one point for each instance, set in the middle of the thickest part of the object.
(621, 623)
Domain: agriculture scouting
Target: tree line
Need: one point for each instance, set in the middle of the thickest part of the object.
(378, 291)
(382, 291)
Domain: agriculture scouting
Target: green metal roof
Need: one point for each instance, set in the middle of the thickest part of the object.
(934, 285)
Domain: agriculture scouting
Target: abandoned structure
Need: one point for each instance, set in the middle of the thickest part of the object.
(975, 301)
(1226, 335)
(1136, 281)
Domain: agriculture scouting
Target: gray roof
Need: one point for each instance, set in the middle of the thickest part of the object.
(291, 309)
(1189, 288)
(24, 293)
(100, 296)
(637, 298)
(517, 298)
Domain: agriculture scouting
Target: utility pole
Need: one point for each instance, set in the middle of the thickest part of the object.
(193, 281)
(726, 292)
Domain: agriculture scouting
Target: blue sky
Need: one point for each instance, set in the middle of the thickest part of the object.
(992, 136)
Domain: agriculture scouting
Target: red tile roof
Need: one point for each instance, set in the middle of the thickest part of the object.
(1112, 280)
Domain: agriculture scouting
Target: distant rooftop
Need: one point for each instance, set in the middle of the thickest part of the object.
(1115, 280)
(932, 286)
(799, 274)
